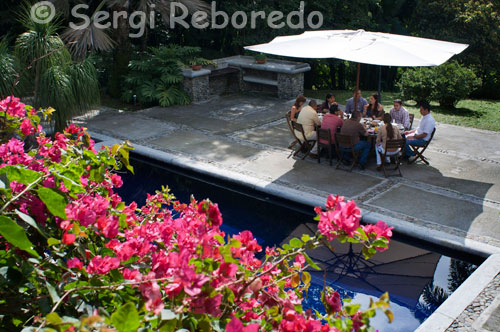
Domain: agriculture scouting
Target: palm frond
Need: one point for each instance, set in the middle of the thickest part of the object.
(81, 41)
(164, 6)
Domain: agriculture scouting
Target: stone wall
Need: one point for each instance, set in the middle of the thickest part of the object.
(198, 88)
(290, 86)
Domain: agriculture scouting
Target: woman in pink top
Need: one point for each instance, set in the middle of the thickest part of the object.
(333, 121)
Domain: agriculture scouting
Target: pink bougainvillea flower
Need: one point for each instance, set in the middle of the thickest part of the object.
(13, 107)
(333, 302)
(75, 263)
(235, 325)
(102, 265)
(68, 238)
(381, 229)
(228, 269)
(27, 128)
(116, 180)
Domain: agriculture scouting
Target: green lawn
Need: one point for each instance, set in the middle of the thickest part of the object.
(481, 114)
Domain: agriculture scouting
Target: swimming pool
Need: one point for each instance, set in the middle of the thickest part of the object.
(414, 273)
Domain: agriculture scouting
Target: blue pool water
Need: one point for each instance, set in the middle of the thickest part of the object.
(414, 275)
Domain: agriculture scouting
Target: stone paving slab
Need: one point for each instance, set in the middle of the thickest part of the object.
(128, 126)
(481, 144)
(456, 213)
(456, 173)
(276, 135)
(223, 115)
(203, 146)
(279, 168)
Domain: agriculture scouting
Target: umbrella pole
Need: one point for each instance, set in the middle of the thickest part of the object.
(379, 84)
(357, 88)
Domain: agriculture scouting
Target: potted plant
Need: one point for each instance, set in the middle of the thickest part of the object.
(198, 63)
(261, 58)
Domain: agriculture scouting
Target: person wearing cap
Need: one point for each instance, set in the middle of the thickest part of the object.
(400, 115)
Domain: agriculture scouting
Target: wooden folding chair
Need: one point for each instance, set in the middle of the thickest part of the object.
(324, 135)
(419, 150)
(392, 145)
(344, 143)
(289, 122)
(412, 117)
(306, 145)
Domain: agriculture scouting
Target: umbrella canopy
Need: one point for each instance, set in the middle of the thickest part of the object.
(361, 46)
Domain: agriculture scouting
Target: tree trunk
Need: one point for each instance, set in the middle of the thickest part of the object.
(341, 81)
(121, 55)
(333, 76)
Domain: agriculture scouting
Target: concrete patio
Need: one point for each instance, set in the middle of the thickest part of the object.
(457, 196)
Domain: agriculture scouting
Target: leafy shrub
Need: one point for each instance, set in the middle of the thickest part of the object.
(76, 257)
(454, 83)
(447, 84)
(157, 76)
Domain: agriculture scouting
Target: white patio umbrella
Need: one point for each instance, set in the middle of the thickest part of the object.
(361, 46)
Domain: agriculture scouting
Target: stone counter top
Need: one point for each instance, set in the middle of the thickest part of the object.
(272, 65)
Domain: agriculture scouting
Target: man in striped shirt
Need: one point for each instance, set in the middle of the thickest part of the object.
(400, 115)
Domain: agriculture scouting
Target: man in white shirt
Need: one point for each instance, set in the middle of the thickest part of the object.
(421, 135)
(308, 118)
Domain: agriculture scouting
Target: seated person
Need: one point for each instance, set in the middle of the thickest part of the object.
(421, 135)
(333, 121)
(361, 102)
(400, 115)
(329, 102)
(354, 128)
(374, 109)
(308, 118)
(297, 106)
(385, 133)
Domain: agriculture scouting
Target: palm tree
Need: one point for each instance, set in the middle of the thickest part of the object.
(8, 72)
(95, 39)
(49, 75)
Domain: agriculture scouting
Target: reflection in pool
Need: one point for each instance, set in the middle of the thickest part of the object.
(409, 273)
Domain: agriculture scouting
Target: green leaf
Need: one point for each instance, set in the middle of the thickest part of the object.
(52, 292)
(306, 277)
(168, 326)
(51, 241)
(126, 318)
(382, 243)
(351, 309)
(16, 235)
(53, 318)
(56, 203)
(30, 221)
(296, 243)
(310, 262)
(21, 175)
(306, 237)
(219, 238)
